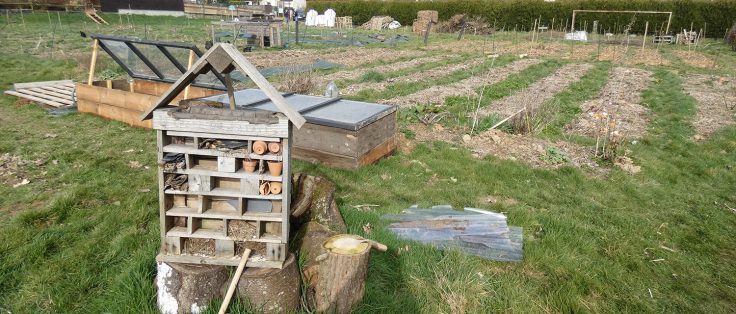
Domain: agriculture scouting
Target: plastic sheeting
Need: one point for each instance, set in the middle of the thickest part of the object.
(472, 231)
(311, 19)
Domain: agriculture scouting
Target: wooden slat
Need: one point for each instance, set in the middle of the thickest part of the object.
(65, 91)
(66, 101)
(111, 112)
(39, 84)
(378, 152)
(36, 99)
(52, 93)
(162, 121)
(257, 262)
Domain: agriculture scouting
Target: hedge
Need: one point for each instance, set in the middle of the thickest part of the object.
(718, 14)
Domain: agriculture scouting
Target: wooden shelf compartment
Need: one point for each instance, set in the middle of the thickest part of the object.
(225, 193)
(240, 173)
(215, 234)
(254, 261)
(186, 149)
(220, 214)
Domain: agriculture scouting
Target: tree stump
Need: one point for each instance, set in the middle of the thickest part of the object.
(342, 272)
(315, 202)
(272, 290)
(188, 288)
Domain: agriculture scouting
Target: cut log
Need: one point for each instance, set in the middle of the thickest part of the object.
(342, 272)
(188, 288)
(310, 240)
(315, 202)
(272, 290)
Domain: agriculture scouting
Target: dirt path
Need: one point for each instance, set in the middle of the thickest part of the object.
(350, 56)
(415, 77)
(535, 152)
(437, 94)
(356, 73)
(620, 98)
(538, 49)
(538, 92)
(716, 98)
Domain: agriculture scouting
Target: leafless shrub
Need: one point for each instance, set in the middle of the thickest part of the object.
(298, 82)
(535, 118)
(731, 37)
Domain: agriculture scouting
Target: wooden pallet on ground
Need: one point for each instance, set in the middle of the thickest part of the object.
(57, 94)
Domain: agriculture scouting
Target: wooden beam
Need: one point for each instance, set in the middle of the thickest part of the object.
(189, 66)
(93, 62)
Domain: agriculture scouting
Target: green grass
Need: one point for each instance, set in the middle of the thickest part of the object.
(81, 236)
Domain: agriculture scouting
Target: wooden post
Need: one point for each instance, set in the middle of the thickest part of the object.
(426, 32)
(644, 42)
(189, 66)
(234, 282)
(92, 63)
(230, 93)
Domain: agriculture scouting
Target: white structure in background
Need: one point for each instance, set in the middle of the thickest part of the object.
(579, 36)
(330, 17)
(324, 20)
(311, 19)
(394, 25)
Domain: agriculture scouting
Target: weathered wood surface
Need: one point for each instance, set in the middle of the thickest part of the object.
(162, 121)
(41, 84)
(272, 290)
(112, 112)
(36, 99)
(341, 281)
(184, 287)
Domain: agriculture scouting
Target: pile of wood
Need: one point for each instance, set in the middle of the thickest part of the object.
(57, 94)
(424, 17)
(378, 23)
(471, 25)
(344, 22)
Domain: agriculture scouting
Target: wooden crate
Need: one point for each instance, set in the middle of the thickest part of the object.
(220, 195)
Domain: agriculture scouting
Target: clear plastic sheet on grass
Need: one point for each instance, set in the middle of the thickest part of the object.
(471, 231)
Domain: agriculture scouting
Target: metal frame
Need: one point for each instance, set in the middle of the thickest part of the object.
(162, 46)
(669, 20)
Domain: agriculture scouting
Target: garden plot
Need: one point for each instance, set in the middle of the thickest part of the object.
(471, 46)
(356, 73)
(695, 59)
(632, 55)
(434, 73)
(347, 57)
(619, 99)
(716, 97)
(535, 152)
(572, 51)
(437, 94)
(537, 93)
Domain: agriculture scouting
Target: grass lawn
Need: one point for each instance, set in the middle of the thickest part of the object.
(82, 236)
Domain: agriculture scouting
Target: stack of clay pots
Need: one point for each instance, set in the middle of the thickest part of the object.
(274, 167)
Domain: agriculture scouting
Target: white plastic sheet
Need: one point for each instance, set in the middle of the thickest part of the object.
(394, 25)
(311, 19)
(330, 16)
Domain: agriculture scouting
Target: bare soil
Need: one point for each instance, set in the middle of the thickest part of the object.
(345, 57)
(538, 153)
(619, 98)
(466, 87)
(14, 169)
(356, 73)
(415, 77)
(716, 97)
(632, 55)
(538, 92)
(695, 59)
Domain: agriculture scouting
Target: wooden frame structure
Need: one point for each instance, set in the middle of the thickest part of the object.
(669, 19)
(219, 194)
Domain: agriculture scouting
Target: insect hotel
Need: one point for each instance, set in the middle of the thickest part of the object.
(224, 173)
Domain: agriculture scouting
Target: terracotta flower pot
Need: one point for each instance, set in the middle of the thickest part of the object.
(275, 187)
(275, 167)
(250, 165)
(265, 188)
(274, 147)
(260, 147)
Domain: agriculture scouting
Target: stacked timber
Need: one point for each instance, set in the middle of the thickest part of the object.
(344, 22)
(378, 23)
(424, 18)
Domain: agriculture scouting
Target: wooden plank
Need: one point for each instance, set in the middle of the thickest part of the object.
(203, 233)
(328, 139)
(39, 84)
(45, 96)
(114, 113)
(256, 261)
(378, 152)
(219, 214)
(224, 136)
(36, 99)
(163, 121)
(224, 193)
(224, 248)
(52, 93)
(93, 61)
(188, 149)
(328, 159)
(241, 174)
(66, 90)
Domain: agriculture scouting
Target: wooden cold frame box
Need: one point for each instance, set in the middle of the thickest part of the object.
(220, 193)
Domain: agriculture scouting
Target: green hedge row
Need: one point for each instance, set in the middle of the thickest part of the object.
(715, 15)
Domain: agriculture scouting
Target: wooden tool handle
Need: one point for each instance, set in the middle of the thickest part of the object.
(378, 246)
(234, 282)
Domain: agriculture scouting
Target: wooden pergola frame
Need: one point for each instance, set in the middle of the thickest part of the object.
(669, 20)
